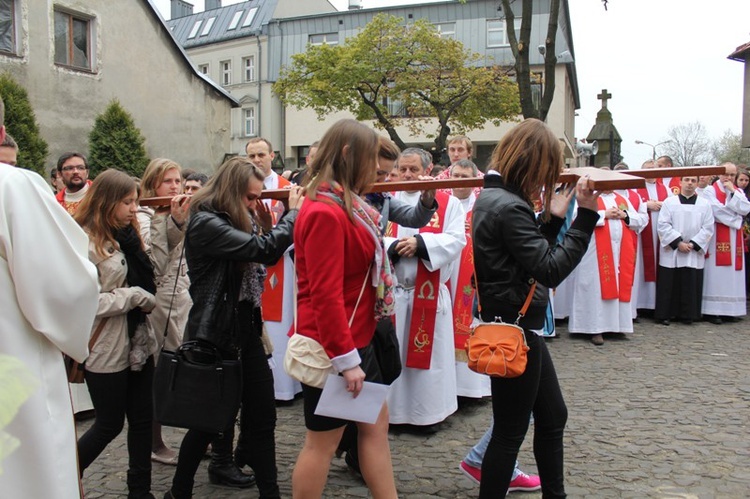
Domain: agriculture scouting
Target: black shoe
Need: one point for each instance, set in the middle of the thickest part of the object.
(229, 475)
(663, 322)
(713, 319)
(727, 318)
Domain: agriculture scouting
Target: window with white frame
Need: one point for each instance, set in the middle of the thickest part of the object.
(73, 45)
(446, 30)
(497, 35)
(249, 120)
(324, 38)
(248, 64)
(226, 73)
(203, 68)
(8, 26)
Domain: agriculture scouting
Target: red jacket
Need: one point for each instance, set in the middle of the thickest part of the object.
(333, 254)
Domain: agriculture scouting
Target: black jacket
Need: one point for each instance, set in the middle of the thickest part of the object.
(511, 250)
(214, 251)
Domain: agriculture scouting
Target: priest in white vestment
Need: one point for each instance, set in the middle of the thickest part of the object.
(425, 395)
(602, 283)
(468, 383)
(686, 225)
(49, 294)
(278, 295)
(647, 263)
(724, 275)
(639, 222)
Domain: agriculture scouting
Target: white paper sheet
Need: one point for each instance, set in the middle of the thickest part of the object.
(336, 402)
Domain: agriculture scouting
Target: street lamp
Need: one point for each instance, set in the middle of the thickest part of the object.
(653, 147)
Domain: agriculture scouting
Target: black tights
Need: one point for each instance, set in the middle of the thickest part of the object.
(536, 391)
(116, 395)
(256, 446)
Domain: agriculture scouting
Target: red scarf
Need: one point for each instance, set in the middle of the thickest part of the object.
(724, 240)
(608, 275)
(650, 257)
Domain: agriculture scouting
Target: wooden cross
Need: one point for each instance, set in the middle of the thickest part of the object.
(603, 97)
(599, 180)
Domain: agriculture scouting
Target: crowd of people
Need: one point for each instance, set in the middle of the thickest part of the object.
(334, 264)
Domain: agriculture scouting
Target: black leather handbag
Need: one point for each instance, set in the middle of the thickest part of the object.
(195, 388)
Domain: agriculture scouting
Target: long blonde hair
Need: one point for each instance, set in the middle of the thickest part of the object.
(225, 190)
(154, 174)
(96, 213)
(529, 158)
(348, 155)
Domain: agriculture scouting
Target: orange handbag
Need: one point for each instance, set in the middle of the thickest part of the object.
(499, 349)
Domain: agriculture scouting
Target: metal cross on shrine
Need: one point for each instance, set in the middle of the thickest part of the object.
(599, 180)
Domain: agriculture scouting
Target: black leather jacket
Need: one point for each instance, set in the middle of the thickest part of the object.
(214, 251)
(511, 250)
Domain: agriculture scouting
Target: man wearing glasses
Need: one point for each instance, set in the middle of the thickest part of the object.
(74, 170)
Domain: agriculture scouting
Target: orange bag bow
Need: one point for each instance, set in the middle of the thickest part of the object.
(497, 348)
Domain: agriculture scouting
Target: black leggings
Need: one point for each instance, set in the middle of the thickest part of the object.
(256, 445)
(116, 395)
(536, 391)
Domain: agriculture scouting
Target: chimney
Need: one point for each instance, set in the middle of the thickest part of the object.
(181, 8)
(213, 4)
(355, 4)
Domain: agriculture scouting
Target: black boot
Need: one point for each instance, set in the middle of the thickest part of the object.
(225, 472)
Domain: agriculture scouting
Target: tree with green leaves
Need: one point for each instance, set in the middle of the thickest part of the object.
(401, 75)
(728, 147)
(20, 122)
(115, 142)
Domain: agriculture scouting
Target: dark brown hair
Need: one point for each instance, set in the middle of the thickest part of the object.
(529, 158)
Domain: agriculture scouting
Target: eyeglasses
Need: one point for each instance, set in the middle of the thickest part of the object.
(70, 168)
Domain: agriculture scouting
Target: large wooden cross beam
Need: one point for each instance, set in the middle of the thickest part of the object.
(599, 179)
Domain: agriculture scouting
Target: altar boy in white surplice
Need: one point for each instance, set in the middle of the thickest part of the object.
(468, 383)
(425, 394)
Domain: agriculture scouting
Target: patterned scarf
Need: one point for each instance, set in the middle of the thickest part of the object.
(253, 277)
(368, 217)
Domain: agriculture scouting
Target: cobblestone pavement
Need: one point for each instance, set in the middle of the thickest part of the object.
(664, 413)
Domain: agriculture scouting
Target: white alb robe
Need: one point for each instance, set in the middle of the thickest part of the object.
(468, 383)
(723, 286)
(589, 314)
(644, 293)
(49, 294)
(691, 222)
(427, 396)
(284, 386)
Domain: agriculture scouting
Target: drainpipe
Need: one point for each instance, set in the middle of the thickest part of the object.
(260, 94)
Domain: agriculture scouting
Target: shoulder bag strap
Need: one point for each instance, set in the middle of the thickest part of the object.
(174, 291)
(97, 332)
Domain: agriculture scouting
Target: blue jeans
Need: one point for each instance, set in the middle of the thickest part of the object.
(476, 454)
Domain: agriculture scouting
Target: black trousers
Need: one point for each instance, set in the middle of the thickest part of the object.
(536, 391)
(256, 445)
(115, 396)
